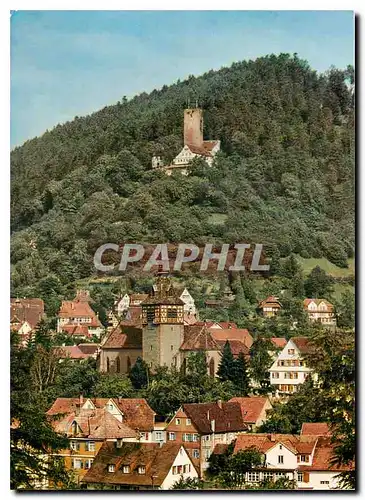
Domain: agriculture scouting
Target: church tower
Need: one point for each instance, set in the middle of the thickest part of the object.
(193, 127)
(163, 324)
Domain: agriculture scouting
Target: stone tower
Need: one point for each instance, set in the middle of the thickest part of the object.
(163, 324)
(193, 127)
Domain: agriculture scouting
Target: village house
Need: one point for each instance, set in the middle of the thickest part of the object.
(25, 315)
(200, 426)
(132, 466)
(88, 422)
(78, 352)
(306, 459)
(270, 306)
(254, 410)
(290, 369)
(77, 318)
(320, 310)
(194, 145)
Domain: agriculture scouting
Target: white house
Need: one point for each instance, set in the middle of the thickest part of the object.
(289, 369)
(320, 310)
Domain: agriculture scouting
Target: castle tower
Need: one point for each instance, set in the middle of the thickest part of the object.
(193, 127)
(163, 324)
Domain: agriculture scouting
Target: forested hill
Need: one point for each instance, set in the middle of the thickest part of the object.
(285, 177)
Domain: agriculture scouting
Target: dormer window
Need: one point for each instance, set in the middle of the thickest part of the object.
(177, 421)
(74, 428)
(109, 406)
(126, 469)
(111, 468)
(141, 469)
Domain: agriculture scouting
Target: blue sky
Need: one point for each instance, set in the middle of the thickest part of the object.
(68, 63)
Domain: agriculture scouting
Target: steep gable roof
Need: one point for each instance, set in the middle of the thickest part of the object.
(279, 342)
(251, 407)
(126, 337)
(264, 442)
(306, 303)
(303, 344)
(323, 456)
(241, 334)
(26, 310)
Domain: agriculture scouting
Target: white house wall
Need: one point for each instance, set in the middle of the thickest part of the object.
(182, 458)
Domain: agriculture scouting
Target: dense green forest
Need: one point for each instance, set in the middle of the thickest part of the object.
(284, 178)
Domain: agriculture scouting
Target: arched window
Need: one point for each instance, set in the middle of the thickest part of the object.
(107, 365)
(128, 364)
(183, 367)
(118, 365)
(211, 368)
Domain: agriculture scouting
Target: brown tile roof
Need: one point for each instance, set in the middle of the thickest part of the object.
(83, 296)
(198, 338)
(306, 303)
(251, 407)
(303, 344)
(315, 429)
(232, 334)
(133, 316)
(209, 145)
(72, 352)
(272, 301)
(227, 417)
(89, 348)
(138, 297)
(137, 413)
(126, 337)
(156, 460)
(220, 449)
(29, 310)
(236, 346)
(279, 342)
(202, 151)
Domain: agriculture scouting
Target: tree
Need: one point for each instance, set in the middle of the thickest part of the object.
(189, 483)
(345, 309)
(240, 377)
(261, 361)
(139, 374)
(235, 466)
(318, 284)
(113, 386)
(226, 367)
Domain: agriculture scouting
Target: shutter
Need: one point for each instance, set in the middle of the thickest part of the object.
(306, 477)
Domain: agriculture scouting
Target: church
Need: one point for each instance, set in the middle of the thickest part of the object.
(160, 338)
(194, 145)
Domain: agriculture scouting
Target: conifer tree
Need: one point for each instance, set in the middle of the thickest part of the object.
(227, 365)
(240, 375)
(139, 374)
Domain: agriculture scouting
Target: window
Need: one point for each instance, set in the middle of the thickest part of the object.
(74, 445)
(110, 407)
(172, 347)
(174, 470)
(158, 435)
(118, 365)
(74, 429)
(172, 436)
(291, 351)
(77, 463)
(253, 477)
(188, 421)
(196, 437)
(125, 469)
(324, 482)
(151, 347)
(300, 477)
(177, 421)
(88, 463)
(107, 364)
(267, 476)
(172, 313)
(179, 469)
(304, 458)
(141, 469)
(186, 468)
(207, 438)
(280, 446)
(196, 453)
(275, 375)
(280, 459)
(90, 446)
(111, 468)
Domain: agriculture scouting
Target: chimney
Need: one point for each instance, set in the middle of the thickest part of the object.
(81, 399)
(272, 437)
(219, 403)
(208, 414)
(212, 425)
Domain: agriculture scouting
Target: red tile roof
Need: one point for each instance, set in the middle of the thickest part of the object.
(306, 303)
(198, 338)
(264, 442)
(202, 151)
(315, 429)
(251, 407)
(227, 417)
(156, 460)
(76, 329)
(209, 145)
(279, 342)
(29, 310)
(225, 325)
(232, 334)
(236, 346)
(72, 352)
(78, 309)
(323, 456)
